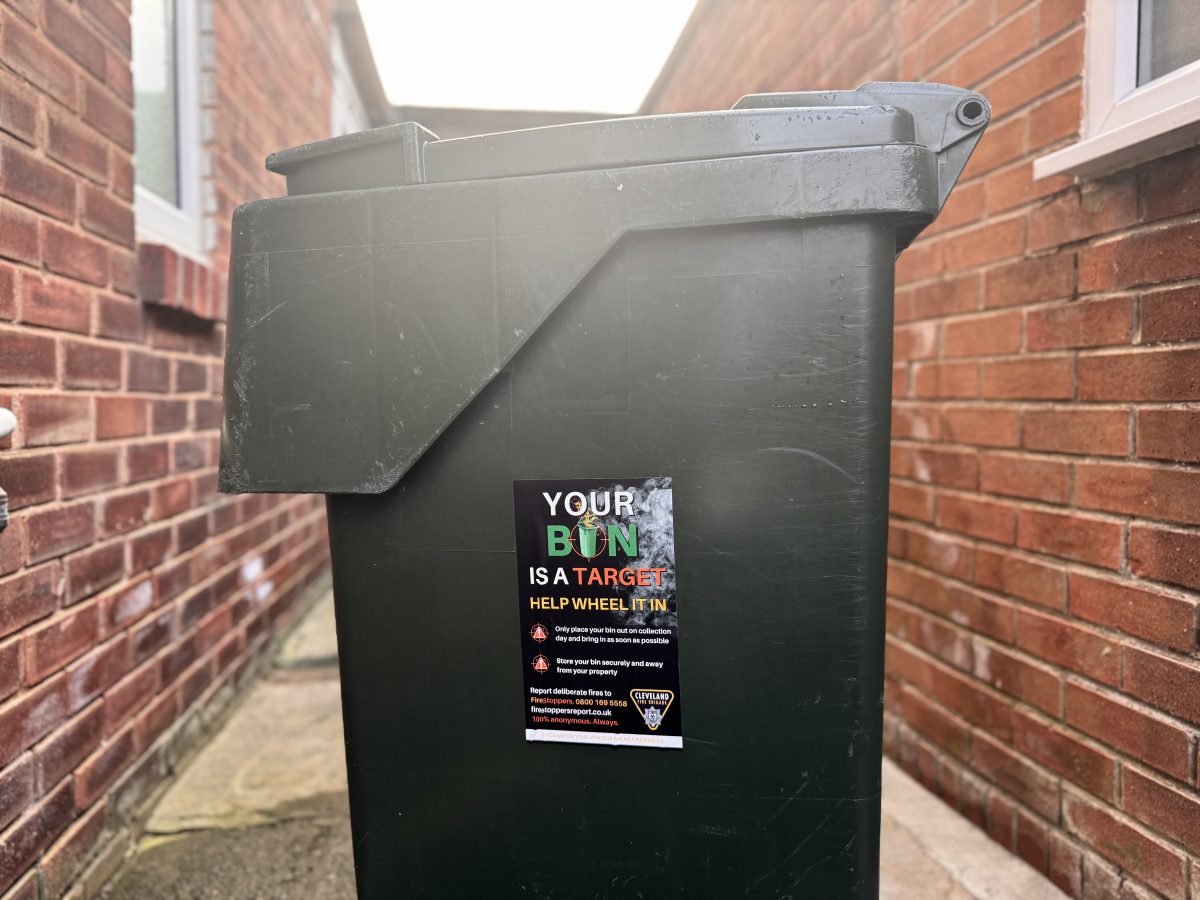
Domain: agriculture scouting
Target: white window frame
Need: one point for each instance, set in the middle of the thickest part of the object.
(1124, 124)
(159, 221)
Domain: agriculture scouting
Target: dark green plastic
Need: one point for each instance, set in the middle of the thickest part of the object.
(706, 297)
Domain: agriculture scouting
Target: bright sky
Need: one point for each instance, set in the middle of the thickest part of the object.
(587, 55)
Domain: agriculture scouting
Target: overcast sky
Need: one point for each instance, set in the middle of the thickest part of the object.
(588, 55)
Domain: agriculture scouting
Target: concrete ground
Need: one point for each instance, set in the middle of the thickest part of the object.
(261, 812)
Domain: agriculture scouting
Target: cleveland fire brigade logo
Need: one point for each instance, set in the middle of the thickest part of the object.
(541, 665)
(538, 633)
(652, 704)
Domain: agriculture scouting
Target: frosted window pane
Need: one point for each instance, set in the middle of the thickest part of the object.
(1168, 37)
(155, 108)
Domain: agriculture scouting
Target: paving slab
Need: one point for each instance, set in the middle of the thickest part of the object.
(261, 812)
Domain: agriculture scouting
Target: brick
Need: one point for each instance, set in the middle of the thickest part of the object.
(95, 673)
(147, 461)
(168, 416)
(1044, 378)
(88, 365)
(57, 642)
(59, 753)
(986, 335)
(1000, 46)
(1152, 257)
(86, 471)
(1001, 820)
(1072, 536)
(153, 636)
(964, 207)
(1032, 842)
(1141, 375)
(1162, 807)
(955, 468)
(1016, 775)
(1034, 280)
(56, 304)
(93, 570)
(208, 414)
(920, 422)
(74, 254)
(33, 182)
(1061, 751)
(1165, 554)
(942, 553)
(1098, 432)
(972, 701)
(190, 377)
(127, 604)
(107, 216)
(172, 498)
(32, 833)
(982, 426)
(1091, 209)
(76, 148)
(1170, 434)
(1066, 862)
(1016, 186)
(1039, 74)
(1069, 645)
(75, 38)
(1170, 315)
(190, 454)
(8, 293)
(1019, 678)
(148, 550)
(63, 861)
(17, 790)
(149, 372)
(28, 597)
(18, 110)
(108, 114)
(1117, 723)
(19, 237)
(125, 512)
(984, 244)
(946, 379)
(129, 695)
(1143, 611)
(123, 266)
(119, 417)
(1137, 490)
(1163, 682)
(112, 18)
(58, 531)
(966, 607)
(102, 768)
(1120, 843)
(1094, 323)
(999, 145)
(119, 319)
(1169, 186)
(27, 359)
(911, 501)
(949, 732)
(1056, 118)
(10, 667)
(946, 297)
(938, 638)
(978, 517)
(1015, 475)
(29, 480)
(191, 531)
(30, 717)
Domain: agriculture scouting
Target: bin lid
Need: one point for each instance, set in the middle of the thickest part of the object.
(875, 114)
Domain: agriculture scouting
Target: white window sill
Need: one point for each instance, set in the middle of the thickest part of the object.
(158, 222)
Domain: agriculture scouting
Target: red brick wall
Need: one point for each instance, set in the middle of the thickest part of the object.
(1045, 556)
(132, 595)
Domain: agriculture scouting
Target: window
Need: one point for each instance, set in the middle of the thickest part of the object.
(1141, 86)
(167, 115)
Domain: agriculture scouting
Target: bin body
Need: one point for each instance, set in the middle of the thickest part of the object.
(744, 356)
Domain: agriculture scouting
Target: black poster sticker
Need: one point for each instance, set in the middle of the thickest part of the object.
(599, 614)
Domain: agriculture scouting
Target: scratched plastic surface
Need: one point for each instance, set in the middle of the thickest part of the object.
(453, 322)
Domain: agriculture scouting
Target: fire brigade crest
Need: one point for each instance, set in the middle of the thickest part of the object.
(652, 704)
